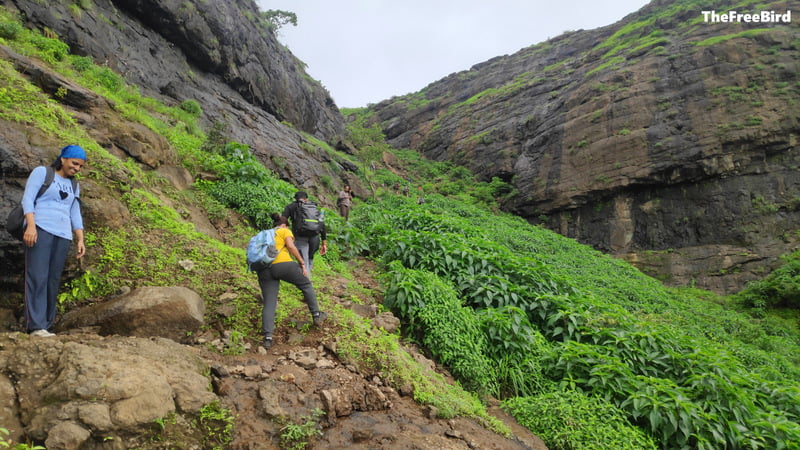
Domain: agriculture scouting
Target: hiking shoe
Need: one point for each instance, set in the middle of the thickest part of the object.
(320, 317)
(42, 333)
(267, 344)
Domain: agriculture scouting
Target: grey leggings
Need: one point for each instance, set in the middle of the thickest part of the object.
(270, 280)
(308, 246)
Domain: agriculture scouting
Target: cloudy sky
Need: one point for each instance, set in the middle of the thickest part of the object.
(365, 51)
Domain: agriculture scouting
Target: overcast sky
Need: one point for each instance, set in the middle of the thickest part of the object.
(365, 51)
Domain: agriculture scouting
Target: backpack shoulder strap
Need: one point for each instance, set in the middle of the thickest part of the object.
(296, 211)
(48, 180)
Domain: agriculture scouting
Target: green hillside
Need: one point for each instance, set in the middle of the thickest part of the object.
(542, 322)
(581, 348)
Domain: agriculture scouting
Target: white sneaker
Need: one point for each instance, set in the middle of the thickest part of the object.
(42, 333)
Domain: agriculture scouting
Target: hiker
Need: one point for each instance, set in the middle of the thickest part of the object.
(284, 269)
(345, 201)
(50, 221)
(308, 242)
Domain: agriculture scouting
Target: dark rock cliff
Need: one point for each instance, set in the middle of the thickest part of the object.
(663, 139)
(218, 53)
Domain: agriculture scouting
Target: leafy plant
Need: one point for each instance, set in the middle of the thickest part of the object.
(162, 422)
(572, 420)
(78, 289)
(236, 344)
(297, 436)
(191, 106)
(449, 331)
(10, 29)
(614, 332)
(277, 18)
(8, 443)
(781, 288)
(216, 422)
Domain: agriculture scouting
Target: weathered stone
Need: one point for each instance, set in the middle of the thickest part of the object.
(252, 371)
(67, 436)
(169, 312)
(143, 408)
(96, 416)
(387, 322)
(269, 393)
(8, 409)
(305, 358)
(83, 385)
(368, 311)
(337, 403)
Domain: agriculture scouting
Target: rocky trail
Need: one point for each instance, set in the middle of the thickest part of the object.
(300, 373)
(84, 390)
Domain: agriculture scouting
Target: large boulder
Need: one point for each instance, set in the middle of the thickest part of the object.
(71, 389)
(169, 312)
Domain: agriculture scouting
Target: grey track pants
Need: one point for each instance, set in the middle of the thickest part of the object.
(270, 279)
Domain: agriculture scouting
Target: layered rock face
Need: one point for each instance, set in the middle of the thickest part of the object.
(220, 54)
(663, 139)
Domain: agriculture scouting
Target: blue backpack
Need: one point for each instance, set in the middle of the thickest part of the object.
(261, 250)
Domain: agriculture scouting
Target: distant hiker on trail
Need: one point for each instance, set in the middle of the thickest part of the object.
(308, 228)
(284, 269)
(344, 202)
(51, 219)
(421, 198)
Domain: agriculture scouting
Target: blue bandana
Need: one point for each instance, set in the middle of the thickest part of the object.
(73, 151)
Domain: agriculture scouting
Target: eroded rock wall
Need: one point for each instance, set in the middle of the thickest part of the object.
(666, 141)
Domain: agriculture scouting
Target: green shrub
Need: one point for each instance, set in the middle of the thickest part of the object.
(52, 50)
(781, 288)
(191, 106)
(81, 63)
(435, 317)
(106, 78)
(568, 420)
(681, 367)
(246, 185)
(516, 348)
(10, 29)
(216, 423)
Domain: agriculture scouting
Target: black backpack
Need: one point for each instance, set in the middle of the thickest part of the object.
(307, 219)
(15, 221)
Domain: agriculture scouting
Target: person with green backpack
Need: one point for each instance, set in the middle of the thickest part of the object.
(308, 227)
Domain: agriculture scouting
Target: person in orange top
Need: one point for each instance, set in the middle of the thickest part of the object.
(283, 268)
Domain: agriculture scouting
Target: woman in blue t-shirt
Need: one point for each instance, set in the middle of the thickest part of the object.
(50, 221)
